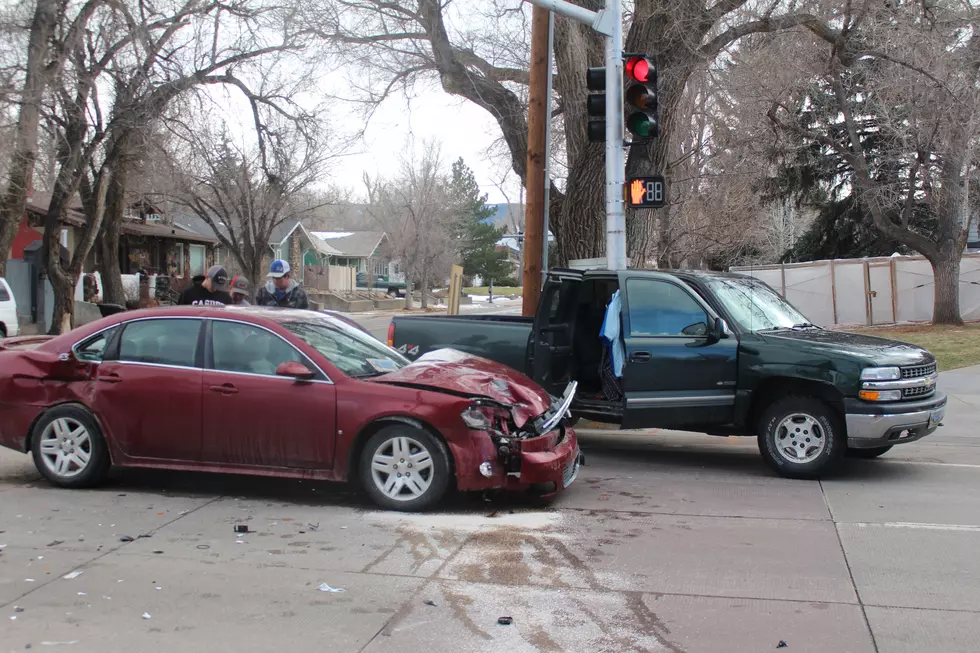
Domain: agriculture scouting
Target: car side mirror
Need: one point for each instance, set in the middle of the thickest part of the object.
(295, 370)
(718, 330)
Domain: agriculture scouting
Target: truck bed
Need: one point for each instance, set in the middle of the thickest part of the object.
(502, 338)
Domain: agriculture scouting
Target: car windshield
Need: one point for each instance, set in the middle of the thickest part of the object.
(352, 351)
(755, 306)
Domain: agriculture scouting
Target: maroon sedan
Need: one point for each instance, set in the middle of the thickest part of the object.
(277, 393)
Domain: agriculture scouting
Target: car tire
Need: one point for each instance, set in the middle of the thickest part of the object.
(868, 453)
(390, 459)
(801, 437)
(69, 449)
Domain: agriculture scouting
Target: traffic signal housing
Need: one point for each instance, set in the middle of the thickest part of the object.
(595, 80)
(642, 116)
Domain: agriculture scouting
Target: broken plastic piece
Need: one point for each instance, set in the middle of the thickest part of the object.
(56, 542)
(17, 608)
(74, 574)
(147, 615)
(241, 528)
(781, 644)
(326, 588)
(505, 621)
(432, 603)
(126, 538)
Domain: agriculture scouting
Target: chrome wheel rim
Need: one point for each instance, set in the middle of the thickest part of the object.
(66, 447)
(402, 468)
(800, 438)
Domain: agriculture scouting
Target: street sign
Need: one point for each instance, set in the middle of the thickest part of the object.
(646, 192)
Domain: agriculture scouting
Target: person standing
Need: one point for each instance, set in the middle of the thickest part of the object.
(240, 291)
(281, 290)
(213, 291)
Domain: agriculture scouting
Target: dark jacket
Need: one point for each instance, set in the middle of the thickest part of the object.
(293, 297)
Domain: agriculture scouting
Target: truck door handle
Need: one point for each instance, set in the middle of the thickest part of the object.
(640, 357)
(109, 377)
(225, 389)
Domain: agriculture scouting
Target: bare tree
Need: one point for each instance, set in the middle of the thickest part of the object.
(245, 192)
(486, 64)
(903, 80)
(418, 216)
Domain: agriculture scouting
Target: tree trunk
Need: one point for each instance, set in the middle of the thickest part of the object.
(24, 154)
(425, 287)
(408, 293)
(115, 208)
(946, 287)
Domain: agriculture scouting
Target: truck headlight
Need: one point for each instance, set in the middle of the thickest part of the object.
(881, 395)
(881, 374)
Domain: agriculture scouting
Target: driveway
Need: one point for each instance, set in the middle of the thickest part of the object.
(667, 542)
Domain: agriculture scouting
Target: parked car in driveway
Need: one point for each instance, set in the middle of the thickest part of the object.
(9, 326)
(278, 393)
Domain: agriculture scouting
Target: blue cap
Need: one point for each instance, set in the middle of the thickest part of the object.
(278, 269)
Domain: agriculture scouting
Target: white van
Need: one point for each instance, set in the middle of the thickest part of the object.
(8, 311)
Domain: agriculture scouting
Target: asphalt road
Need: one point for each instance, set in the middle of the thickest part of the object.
(666, 542)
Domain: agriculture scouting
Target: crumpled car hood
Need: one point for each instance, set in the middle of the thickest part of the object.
(458, 373)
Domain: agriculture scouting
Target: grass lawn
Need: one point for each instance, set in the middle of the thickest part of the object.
(497, 290)
(953, 346)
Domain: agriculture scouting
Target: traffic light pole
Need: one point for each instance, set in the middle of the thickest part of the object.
(609, 23)
(615, 159)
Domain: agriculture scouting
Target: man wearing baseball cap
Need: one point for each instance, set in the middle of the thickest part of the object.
(239, 291)
(281, 290)
(212, 292)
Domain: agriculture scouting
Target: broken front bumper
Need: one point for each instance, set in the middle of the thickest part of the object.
(552, 460)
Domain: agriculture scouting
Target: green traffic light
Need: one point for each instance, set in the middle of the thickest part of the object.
(643, 125)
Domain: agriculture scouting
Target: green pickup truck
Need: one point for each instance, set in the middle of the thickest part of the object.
(721, 354)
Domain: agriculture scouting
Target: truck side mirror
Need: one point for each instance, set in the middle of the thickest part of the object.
(717, 331)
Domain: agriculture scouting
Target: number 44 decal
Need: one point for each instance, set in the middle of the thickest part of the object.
(411, 350)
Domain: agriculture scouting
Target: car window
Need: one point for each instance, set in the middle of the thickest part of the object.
(659, 308)
(4, 295)
(240, 347)
(163, 341)
(353, 352)
(93, 349)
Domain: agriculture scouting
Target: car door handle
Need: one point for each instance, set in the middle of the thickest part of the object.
(109, 377)
(639, 357)
(225, 389)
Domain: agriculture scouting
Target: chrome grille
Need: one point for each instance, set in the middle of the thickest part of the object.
(918, 371)
(922, 391)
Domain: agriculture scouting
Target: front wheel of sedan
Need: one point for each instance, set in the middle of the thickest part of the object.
(69, 449)
(405, 468)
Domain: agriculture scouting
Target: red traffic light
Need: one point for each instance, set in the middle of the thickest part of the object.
(640, 69)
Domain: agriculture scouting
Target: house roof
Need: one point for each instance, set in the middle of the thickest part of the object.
(132, 228)
(283, 231)
(353, 244)
(38, 204)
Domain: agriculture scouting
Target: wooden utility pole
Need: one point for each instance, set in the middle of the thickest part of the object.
(537, 125)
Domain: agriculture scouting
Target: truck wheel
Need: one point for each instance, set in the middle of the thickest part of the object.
(69, 449)
(405, 468)
(801, 437)
(867, 453)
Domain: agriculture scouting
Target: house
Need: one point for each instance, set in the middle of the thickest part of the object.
(973, 239)
(149, 242)
(291, 241)
(365, 251)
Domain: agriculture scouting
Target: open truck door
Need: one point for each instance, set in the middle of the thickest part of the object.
(681, 361)
(550, 344)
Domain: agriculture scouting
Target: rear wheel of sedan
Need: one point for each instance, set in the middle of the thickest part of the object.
(405, 468)
(800, 437)
(69, 449)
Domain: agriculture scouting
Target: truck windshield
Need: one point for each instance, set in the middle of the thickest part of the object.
(352, 351)
(755, 306)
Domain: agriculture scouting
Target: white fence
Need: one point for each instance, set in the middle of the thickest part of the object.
(867, 291)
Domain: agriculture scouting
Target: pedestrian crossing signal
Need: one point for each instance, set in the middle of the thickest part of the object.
(646, 192)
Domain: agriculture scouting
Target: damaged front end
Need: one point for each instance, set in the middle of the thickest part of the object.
(526, 449)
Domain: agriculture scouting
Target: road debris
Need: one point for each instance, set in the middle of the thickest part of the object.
(74, 574)
(428, 602)
(74, 641)
(326, 588)
(241, 528)
(147, 615)
(314, 527)
(157, 551)
(17, 608)
(127, 538)
(781, 644)
(505, 621)
(203, 547)
(56, 542)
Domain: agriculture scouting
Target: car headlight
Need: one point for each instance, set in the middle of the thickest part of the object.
(881, 395)
(881, 374)
(477, 418)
